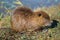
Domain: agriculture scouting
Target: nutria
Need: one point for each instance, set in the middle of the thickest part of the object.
(26, 20)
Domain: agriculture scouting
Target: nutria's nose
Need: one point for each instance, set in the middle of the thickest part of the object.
(49, 23)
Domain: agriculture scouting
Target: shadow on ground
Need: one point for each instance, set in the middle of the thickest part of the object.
(54, 24)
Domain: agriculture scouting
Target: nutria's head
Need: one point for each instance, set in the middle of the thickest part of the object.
(24, 19)
(42, 18)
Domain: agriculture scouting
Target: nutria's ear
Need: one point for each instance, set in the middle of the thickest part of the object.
(23, 10)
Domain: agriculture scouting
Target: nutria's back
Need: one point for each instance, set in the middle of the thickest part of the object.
(24, 19)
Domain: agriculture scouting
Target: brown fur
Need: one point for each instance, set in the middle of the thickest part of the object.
(24, 19)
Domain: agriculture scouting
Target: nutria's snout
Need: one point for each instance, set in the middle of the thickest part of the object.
(52, 24)
(49, 23)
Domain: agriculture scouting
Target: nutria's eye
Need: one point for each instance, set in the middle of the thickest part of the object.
(39, 14)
